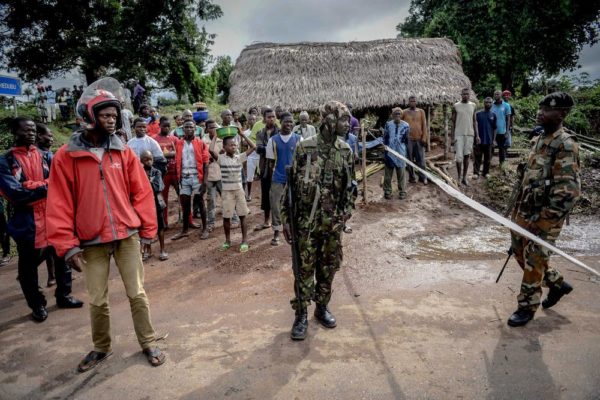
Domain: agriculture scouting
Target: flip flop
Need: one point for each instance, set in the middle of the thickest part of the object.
(261, 227)
(244, 247)
(180, 235)
(92, 360)
(204, 235)
(225, 246)
(155, 356)
(163, 256)
(274, 242)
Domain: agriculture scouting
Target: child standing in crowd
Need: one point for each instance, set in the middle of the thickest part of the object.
(233, 196)
(156, 181)
(213, 179)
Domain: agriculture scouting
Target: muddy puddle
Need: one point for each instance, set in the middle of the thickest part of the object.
(479, 239)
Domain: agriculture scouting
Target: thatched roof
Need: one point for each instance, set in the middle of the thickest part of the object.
(379, 73)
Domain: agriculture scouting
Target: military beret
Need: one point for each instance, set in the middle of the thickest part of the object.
(558, 100)
(336, 108)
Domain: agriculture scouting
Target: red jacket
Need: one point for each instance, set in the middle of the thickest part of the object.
(201, 153)
(24, 182)
(92, 201)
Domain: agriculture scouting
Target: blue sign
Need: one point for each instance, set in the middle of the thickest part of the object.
(10, 86)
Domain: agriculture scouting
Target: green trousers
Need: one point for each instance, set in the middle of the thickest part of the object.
(96, 269)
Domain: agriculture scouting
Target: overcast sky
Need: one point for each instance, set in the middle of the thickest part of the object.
(313, 20)
(323, 21)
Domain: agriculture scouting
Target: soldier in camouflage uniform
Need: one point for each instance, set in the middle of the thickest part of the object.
(323, 183)
(549, 189)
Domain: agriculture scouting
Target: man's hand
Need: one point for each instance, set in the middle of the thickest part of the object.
(287, 233)
(477, 140)
(77, 262)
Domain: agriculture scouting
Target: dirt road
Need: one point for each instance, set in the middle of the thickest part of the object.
(420, 317)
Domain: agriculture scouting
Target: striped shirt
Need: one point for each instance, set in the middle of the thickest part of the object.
(231, 170)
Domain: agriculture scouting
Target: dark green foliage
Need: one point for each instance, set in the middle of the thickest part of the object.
(127, 39)
(511, 39)
(220, 73)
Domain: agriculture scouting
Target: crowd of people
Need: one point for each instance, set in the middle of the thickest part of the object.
(109, 189)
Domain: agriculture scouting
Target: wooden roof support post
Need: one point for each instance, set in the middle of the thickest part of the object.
(428, 128)
(364, 162)
(445, 132)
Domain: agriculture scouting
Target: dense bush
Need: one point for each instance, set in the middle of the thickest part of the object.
(583, 118)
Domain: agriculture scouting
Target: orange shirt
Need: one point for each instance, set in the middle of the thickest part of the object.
(418, 124)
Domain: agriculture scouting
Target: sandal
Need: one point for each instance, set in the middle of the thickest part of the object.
(260, 227)
(225, 246)
(204, 235)
(155, 356)
(92, 360)
(244, 247)
(180, 235)
(347, 229)
(146, 256)
(163, 256)
(275, 242)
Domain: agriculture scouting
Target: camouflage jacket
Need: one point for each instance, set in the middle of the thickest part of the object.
(551, 183)
(323, 178)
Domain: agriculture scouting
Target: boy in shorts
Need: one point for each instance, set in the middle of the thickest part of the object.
(233, 196)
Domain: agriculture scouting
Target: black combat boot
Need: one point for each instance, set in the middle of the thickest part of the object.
(555, 294)
(300, 325)
(323, 315)
(520, 317)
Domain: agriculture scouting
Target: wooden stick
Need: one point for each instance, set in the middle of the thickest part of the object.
(442, 175)
(428, 130)
(445, 132)
(436, 157)
(364, 162)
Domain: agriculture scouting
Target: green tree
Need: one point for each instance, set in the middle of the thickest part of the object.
(27, 92)
(136, 38)
(220, 73)
(511, 39)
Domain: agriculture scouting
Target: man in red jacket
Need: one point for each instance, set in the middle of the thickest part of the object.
(102, 206)
(191, 158)
(24, 183)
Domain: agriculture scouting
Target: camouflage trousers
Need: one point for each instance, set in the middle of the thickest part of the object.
(321, 257)
(533, 260)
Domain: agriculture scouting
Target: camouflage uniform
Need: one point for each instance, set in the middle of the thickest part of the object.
(322, 178)
(549, 190)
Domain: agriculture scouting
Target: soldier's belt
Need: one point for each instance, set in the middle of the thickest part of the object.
(491, 214)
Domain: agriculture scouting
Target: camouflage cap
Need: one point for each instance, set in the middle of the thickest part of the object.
(557, 100)
(336, 108)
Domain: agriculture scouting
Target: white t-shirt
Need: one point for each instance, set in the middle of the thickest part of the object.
(139, 145)
(188, 159)
(464, 118)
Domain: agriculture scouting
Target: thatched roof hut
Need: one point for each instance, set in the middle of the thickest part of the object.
(374, 74)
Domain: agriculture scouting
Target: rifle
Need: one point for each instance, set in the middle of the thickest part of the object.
(294, 233)
(516, 189)
(510, 253)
